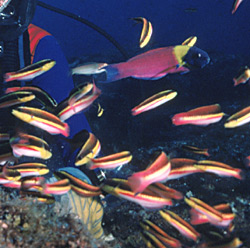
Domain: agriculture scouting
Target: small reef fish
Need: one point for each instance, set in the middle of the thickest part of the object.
(197, 218)
(146, 32)
(181, 225)
(100, 110)
(236, 5)
(30, 169)
(164, 191)
(79, 186)
(190, 41)
(15, 98)
(111, 161)
(211, 213)
(90, 149)
(157, 172)
(147, 199)
(154, 101)
(32, 183)
(196, 150)
(9, 174)
(201, 116)
(181, 167)
(31, 71)
(57, 188)
(242, 77)
(225, 243)
(160, 234)
(219, 169)
(157, 63)
(41, 95)
(238, 119)
(89, 68)
(151, 240)
(64, 110)
(30, 146)
(28, 183)
(42, 119)
(79, 92)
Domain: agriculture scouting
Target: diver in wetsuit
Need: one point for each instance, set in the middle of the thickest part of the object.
(22, 43)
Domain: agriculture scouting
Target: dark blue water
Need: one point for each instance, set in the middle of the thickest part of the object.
(211, 21)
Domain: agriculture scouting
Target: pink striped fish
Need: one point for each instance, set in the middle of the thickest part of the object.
(158, 171)
(201, 116)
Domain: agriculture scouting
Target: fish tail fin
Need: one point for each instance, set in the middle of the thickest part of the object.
(7, 77)
(112, 73)
(240, 175)
(136, 183)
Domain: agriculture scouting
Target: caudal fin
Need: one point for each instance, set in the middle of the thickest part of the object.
(112, 73)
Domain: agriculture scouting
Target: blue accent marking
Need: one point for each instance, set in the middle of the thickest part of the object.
(76, 173)
(112, 74)
(21, 55)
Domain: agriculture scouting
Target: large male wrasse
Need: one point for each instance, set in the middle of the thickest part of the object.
(157, 63)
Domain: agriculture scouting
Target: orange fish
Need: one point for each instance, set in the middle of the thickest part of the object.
(147, 199)
(154, 101)
(198, 218)
(110, 162)
(219, 169)
(181, 225)
(212, 214)
(146, 32)
(242, 77)
(160, 234)
(197, 150)
(201, 116)
(181, 167)
(76, 103)
(31, 71)
(157, 172)
(89, 150)
(238, 119)
(42, 119)
(164, 191)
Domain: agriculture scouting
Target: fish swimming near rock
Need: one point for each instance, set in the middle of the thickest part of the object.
(157, 63)
(181, 225)
(88, 209)
(158, 171)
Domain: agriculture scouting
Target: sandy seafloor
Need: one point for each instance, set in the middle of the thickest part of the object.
(151, 131)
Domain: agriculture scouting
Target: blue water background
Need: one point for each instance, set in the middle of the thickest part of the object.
(214, 25)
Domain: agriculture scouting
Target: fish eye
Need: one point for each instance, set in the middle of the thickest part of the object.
(199, 55)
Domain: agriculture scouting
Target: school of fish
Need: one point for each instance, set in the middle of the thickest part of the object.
(147, 187)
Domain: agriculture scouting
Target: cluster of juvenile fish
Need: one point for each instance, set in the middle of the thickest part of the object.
(15, 143)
